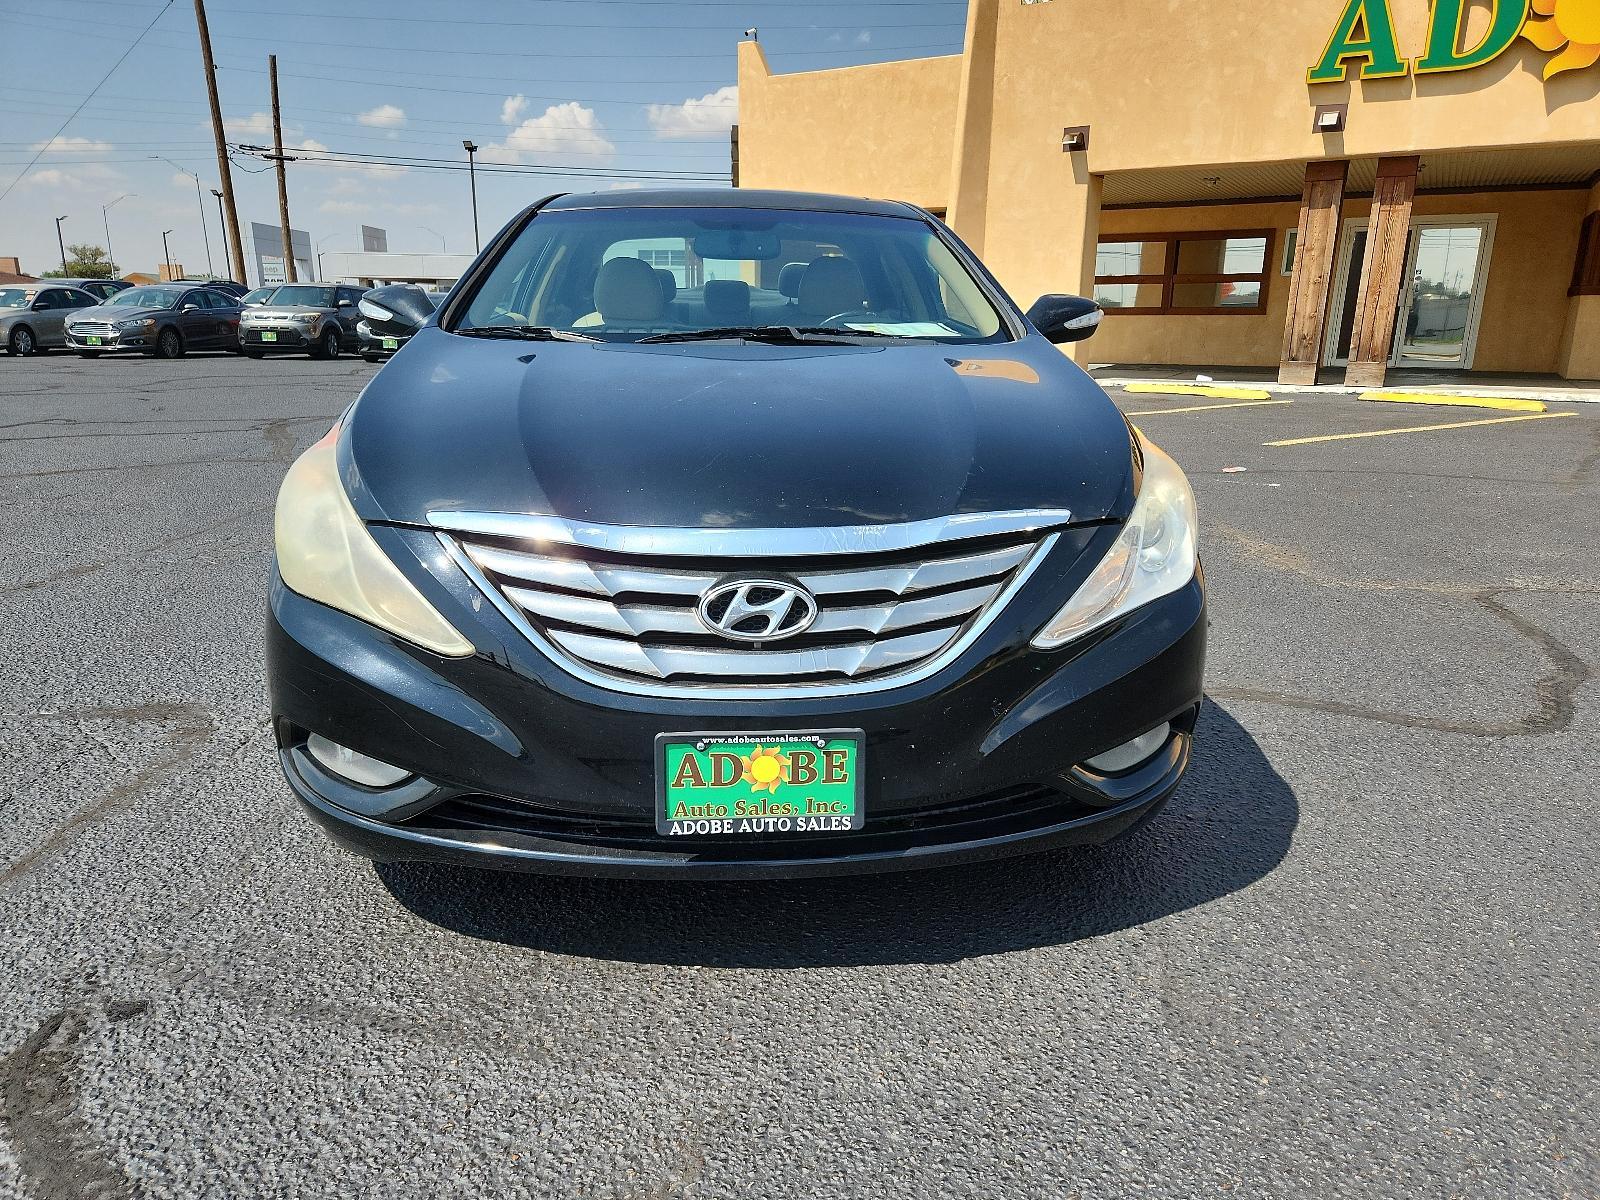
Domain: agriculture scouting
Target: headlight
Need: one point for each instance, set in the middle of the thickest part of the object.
(308, 318)
(1153, 556)
(372, 311)
(325, 553)
(136, 323)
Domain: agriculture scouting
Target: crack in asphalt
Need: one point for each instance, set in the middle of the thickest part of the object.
(58, 1152)
(191, 726)
(1554, 693)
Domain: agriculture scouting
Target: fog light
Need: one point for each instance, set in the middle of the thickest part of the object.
(356, 767)
(1130, 754)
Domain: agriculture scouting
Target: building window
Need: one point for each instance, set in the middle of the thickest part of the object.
(1586, 271)
(1190, 273)
(1291, 242)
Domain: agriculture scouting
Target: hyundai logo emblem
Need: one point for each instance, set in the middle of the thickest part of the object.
(757, 610)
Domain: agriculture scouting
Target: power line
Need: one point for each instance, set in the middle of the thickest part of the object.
(120, 60)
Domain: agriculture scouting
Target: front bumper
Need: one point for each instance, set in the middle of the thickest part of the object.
(286, 337)
(111, 340)
(520, 766)
(372, 344)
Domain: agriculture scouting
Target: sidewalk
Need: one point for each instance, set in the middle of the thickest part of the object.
(1549, 388)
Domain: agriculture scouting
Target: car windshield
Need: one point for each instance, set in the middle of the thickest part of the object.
(259, 296)
(623, 274)
(147, 297)
(13, 298)
(310, 297)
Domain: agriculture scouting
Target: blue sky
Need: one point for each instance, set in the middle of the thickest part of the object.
(581, 94)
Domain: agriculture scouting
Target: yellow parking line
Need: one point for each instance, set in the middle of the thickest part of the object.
(1339, 437)
(1197, 389)
(1504, 403)
(1156, 412)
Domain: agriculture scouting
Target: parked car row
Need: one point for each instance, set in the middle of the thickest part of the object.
(104, 316)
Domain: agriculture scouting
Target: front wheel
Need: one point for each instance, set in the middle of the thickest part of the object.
(328, 347)
(22, 342)
(169, 344)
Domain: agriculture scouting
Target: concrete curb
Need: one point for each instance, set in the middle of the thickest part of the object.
(1445, 395)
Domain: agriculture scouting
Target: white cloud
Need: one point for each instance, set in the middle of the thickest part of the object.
(385, 116)
(513, 108)
(563, 132)
(712, 113)
(343, 206)
(82, 177)
(255, 125)
(73, 145)
(180, 180)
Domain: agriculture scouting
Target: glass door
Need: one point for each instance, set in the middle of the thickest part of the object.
(1443, 295)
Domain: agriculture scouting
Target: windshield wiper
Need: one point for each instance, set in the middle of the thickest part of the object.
(527, 333)
(782, 334)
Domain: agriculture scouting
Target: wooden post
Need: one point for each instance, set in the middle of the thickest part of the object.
(230, 209)
(1316, 239)
(1383, 274)
(289, 272)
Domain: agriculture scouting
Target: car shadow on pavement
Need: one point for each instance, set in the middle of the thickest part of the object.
(1229, 825)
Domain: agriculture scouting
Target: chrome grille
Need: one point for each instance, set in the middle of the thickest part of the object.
(617, 605)
(94, 328)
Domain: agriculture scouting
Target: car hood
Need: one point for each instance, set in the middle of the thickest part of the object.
(112, 312)
(282, 312)
(733, 435)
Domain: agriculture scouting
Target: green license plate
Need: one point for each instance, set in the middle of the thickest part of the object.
(93, 341)
(390, 344)
(796, 784)
(269, 336)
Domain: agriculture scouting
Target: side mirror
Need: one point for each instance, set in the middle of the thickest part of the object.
(1065, 318)
(400, 308)
(346, 303)
(190, 307)
(40, 305)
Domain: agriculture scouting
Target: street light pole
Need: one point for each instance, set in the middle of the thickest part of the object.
(106, 220)
(60, 241)
(471, 148)
(320, 245)
(166, 252)
(205, 229)
(444, 246)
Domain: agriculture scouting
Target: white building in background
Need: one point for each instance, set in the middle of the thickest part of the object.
(373, 269)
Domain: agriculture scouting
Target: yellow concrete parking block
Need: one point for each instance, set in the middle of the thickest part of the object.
(1215, 391)
(1339, 437)
(1503, 403)
(1158, 412)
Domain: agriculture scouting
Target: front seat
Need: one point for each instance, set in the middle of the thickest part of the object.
(628, 294)
(727, 301)
(831, 285)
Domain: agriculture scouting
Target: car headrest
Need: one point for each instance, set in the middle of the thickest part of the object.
(789, 279)
(669, 285)
(832, 284)
(727, 301)
(628, 289)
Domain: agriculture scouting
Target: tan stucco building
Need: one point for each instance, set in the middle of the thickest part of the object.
(1333, 186)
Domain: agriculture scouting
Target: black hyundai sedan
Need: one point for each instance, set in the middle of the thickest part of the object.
(726, 534)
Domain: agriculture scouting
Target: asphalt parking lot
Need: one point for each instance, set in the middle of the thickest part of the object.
(1355, 957)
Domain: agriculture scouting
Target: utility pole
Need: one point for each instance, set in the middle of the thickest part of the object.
(60, 241)
(105, 210)
(283, 184)
(224, 167)
(471, 148)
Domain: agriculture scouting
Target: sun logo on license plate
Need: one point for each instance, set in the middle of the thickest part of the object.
(764, 770)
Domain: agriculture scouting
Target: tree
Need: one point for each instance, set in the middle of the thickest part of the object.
(85, 261)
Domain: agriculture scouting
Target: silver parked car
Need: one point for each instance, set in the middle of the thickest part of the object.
(318, 319)
(33, 315)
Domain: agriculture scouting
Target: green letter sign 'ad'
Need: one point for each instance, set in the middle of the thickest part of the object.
(1365, 32)
(1445, 30)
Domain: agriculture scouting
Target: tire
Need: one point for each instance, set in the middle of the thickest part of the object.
(169, 343)
(328, 346)
(22, 342)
